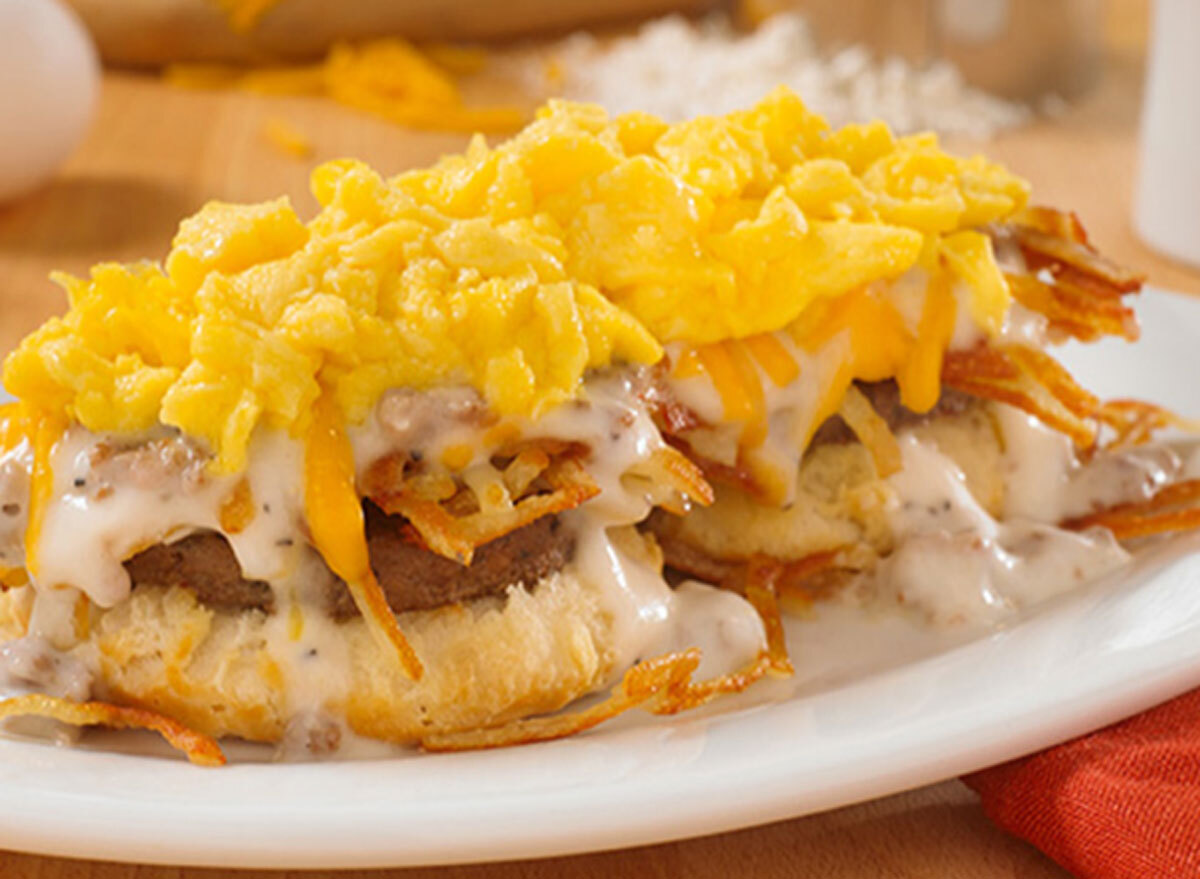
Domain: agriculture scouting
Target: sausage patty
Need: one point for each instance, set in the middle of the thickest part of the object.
(885, 399)
(412, 577)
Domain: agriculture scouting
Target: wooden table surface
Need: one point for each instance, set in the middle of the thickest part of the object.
(156, 154)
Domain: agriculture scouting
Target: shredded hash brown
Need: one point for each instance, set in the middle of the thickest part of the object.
(1134, 422)
(452, 519)
(1079, 292)
(1029, 380)
(662, 685)
(762, 583)
(671, 481)
(453, 514)
(1175, 507)
(199, 748)
(872, 431)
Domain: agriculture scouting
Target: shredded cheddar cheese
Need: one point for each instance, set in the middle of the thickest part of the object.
(386, 77)
(583, 241)
(45, 432)
(244, 15)
(335, 517)
(775, 360)
(238, 509)
(919, 377)
(287, 138)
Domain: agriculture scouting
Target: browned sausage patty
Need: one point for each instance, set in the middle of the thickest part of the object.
(885, 399)
(413, 578)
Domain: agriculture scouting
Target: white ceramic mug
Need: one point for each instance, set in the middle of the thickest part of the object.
(1167, 208)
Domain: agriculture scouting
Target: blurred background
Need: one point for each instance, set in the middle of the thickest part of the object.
(120, 117)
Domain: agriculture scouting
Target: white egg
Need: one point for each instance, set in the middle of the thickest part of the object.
(49, 79)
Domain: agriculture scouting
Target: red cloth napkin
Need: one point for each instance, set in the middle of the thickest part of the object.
(1120, 803)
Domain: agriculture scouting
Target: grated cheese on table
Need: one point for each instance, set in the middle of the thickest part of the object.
(677, 69)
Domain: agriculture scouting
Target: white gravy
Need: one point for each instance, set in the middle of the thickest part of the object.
(1047, 482)
(15, 466)
(956, 564)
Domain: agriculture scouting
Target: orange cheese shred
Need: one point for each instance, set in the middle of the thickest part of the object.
(45, 431)
(1173, 508)
(688, 365)
(244, 15)
(755, 430)
(872, 431)
(237, 510)
(387, 77)
(287, 138)
(878, 344)
(919, 377)
(11, 578)
(774, 358)
(727, 379)
(335, 518)
(11, 426)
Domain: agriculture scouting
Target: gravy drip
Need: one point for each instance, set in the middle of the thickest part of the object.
(955, 563)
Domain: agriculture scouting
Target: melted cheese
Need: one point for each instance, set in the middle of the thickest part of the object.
(45, 433)
(335, 518)
(779, 388)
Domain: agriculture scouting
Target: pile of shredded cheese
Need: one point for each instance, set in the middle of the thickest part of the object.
(244, 15)
(582, 242)
(386, 77)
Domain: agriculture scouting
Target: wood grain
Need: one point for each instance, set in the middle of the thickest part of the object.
(155, 155)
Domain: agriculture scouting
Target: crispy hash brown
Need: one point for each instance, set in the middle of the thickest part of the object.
(200, 749)
(1173, 508)
(452, 518)
(1079, 291)
(453, 514)
(662, 685)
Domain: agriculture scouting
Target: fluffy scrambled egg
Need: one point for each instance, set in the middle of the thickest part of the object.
(581, 242)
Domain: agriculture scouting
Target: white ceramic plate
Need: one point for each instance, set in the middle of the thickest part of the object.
(879, 705)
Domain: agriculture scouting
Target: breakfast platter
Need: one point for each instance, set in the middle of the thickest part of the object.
(879, 704)
(651, 474)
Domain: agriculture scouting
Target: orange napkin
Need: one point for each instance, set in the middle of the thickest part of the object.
(1120, 803)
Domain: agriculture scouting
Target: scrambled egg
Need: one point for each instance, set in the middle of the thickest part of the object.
(581, 242)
